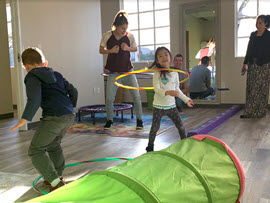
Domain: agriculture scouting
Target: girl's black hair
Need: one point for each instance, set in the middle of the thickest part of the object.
(121, 18)
(265, 19)
(156, 64)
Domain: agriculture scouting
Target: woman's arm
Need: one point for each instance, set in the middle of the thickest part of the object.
(102, 50)
(250, 47)
(133, 45)
(125, 47)
(133, 49)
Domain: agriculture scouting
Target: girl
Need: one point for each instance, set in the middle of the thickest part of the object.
(118, 43)
(166, 87)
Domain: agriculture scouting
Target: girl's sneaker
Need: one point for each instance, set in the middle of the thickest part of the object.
(150, 148)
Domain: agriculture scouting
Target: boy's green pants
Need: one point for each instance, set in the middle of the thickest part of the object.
(48, 138)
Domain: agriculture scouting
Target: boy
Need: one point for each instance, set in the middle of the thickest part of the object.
(49, 90)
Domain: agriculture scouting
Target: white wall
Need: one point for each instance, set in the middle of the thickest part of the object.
(231, 66)
(108, 10)
(68, 32)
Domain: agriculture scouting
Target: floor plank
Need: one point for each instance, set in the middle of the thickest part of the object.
(249, 139)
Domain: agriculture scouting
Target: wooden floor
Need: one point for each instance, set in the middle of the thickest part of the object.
(249, 139)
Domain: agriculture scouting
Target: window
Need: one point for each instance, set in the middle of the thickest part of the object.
(10, 42)
(246, 13)
(149, 22)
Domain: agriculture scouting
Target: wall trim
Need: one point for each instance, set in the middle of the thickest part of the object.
(6, 115)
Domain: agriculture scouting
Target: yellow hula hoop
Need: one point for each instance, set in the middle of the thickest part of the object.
(143, 71)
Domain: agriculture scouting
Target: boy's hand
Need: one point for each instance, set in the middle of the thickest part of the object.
(20, 124)
(172, 93)
(190, 103)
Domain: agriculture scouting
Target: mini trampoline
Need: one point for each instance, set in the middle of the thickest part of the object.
(100, 108)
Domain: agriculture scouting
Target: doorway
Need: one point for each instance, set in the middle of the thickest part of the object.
(200, 27)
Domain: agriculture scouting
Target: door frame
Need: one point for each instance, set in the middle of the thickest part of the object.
(18, 67)
(202, 4)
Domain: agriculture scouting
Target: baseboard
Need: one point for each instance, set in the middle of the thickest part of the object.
(214, 105)
(7, 115)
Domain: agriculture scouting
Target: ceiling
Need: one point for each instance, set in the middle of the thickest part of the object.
(203, 12)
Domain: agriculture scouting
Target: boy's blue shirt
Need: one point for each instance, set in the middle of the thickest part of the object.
(49, 90)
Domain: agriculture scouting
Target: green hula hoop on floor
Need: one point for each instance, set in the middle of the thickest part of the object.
(75, 164)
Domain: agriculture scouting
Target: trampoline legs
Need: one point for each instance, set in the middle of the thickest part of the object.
(122, 116)
(94, 118)
(79, 115)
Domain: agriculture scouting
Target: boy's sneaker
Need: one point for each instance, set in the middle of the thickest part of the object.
(139, 124)
(45, 182)
(108, 124)
(60, 184)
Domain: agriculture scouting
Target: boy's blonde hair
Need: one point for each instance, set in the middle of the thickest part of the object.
(32, 56)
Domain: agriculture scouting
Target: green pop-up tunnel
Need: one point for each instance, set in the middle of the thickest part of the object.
(198, 169)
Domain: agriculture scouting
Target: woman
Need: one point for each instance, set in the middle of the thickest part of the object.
(256, 63)
(118, 43)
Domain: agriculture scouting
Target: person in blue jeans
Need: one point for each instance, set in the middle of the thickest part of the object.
(49, 90)
(118, 43)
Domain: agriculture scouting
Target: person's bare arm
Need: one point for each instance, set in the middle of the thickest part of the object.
(125, 47)
(114, 50)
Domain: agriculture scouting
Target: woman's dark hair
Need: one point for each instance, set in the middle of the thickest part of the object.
(120, 18)
(156, 64)
(265, 19)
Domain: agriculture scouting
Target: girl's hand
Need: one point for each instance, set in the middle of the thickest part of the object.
(125, 47)
(172, 93)
(115, 49)
(190, 103)
(244, 68)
